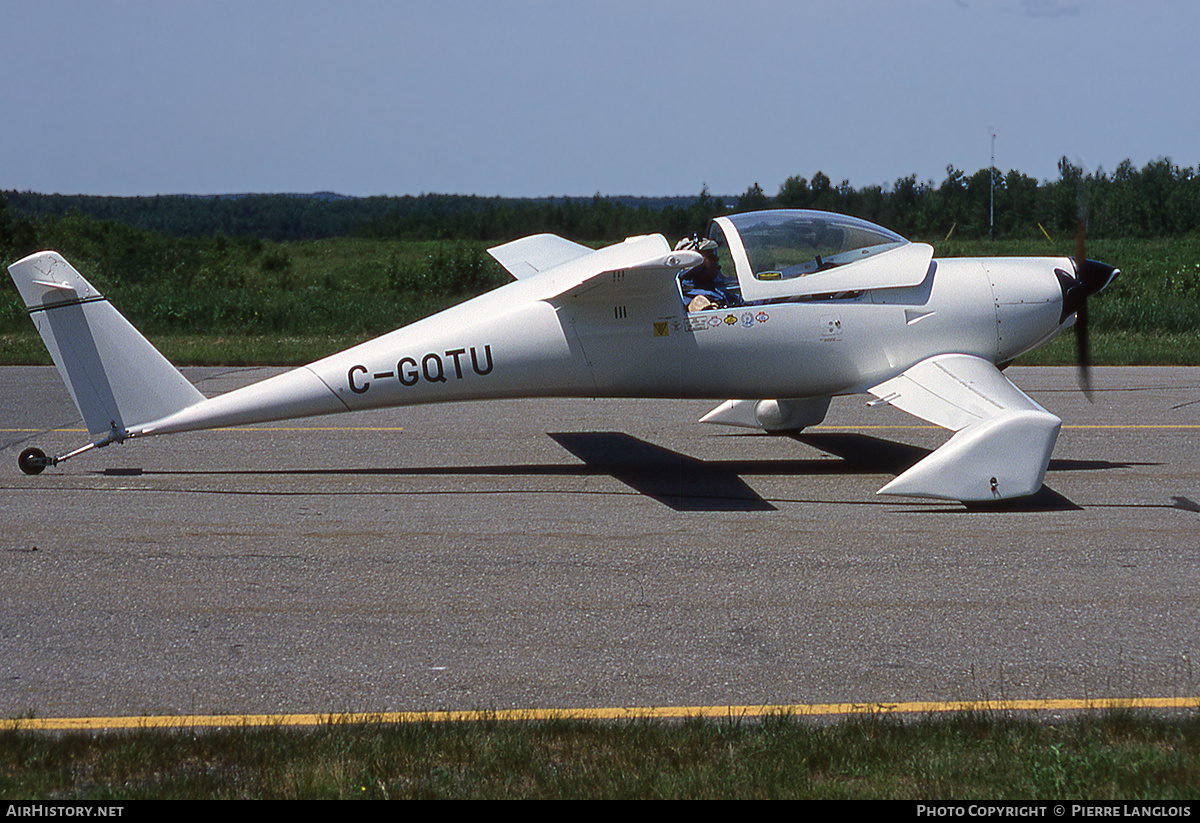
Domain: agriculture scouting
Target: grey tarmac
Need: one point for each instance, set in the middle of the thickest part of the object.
(589, 553)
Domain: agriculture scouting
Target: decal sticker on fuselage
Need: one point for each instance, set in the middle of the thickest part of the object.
(831, 328)
(701, 321)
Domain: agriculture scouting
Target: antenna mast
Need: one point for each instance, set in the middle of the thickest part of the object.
(992, 200)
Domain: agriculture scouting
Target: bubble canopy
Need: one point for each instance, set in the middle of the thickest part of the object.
(788, 252)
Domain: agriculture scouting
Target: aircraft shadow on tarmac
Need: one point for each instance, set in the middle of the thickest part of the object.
(871, 453)
(686, 483)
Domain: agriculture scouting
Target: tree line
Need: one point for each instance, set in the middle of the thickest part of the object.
(1160, 199)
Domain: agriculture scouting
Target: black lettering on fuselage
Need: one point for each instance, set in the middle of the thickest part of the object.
(432, 367)
(454, 354)
(439, 373)
(475, 360)
(410, 376)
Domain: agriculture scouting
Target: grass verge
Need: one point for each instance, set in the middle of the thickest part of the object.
(1121, 348)
(1110, 755)
(202, 350)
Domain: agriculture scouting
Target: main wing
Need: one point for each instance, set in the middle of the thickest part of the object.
(1002, 439)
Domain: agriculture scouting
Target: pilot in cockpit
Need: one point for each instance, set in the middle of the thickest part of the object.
(704, 287)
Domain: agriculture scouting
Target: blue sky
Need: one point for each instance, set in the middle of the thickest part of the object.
(537, 97)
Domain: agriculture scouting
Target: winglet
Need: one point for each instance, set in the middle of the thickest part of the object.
(997, 459)
(1002, 442)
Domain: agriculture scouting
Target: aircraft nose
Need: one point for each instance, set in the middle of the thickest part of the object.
(1090, 277)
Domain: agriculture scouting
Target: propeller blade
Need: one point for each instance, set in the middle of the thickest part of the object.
(1083, 350)
(1090, 277)
(1082, 344)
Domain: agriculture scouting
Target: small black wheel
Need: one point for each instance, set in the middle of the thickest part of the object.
(33, 461)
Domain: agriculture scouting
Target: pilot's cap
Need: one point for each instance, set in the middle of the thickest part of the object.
(693, 243)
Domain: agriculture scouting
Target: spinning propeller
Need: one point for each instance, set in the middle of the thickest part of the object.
(1090, 277)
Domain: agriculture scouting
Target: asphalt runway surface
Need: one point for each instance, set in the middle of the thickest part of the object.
(590, 553)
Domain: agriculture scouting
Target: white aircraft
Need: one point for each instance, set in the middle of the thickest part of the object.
(826, 305)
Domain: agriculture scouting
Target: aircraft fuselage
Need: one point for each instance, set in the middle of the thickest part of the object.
(494, 346)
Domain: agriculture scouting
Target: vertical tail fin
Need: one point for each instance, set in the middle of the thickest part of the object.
(115, 376)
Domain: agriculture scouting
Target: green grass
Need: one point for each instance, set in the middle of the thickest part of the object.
(1114, 755)
(1121, 348)
(252, 302)
(202, 350)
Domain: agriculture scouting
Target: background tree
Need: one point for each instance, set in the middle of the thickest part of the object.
(753, 199)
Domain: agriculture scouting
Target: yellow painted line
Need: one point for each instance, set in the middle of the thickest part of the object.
(255, 428)
(900, 426)
(664, 713)
(310, 429)
(894, 427)
(1140, 426)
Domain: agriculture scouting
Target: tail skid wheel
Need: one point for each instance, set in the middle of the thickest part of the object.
(33, 461)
